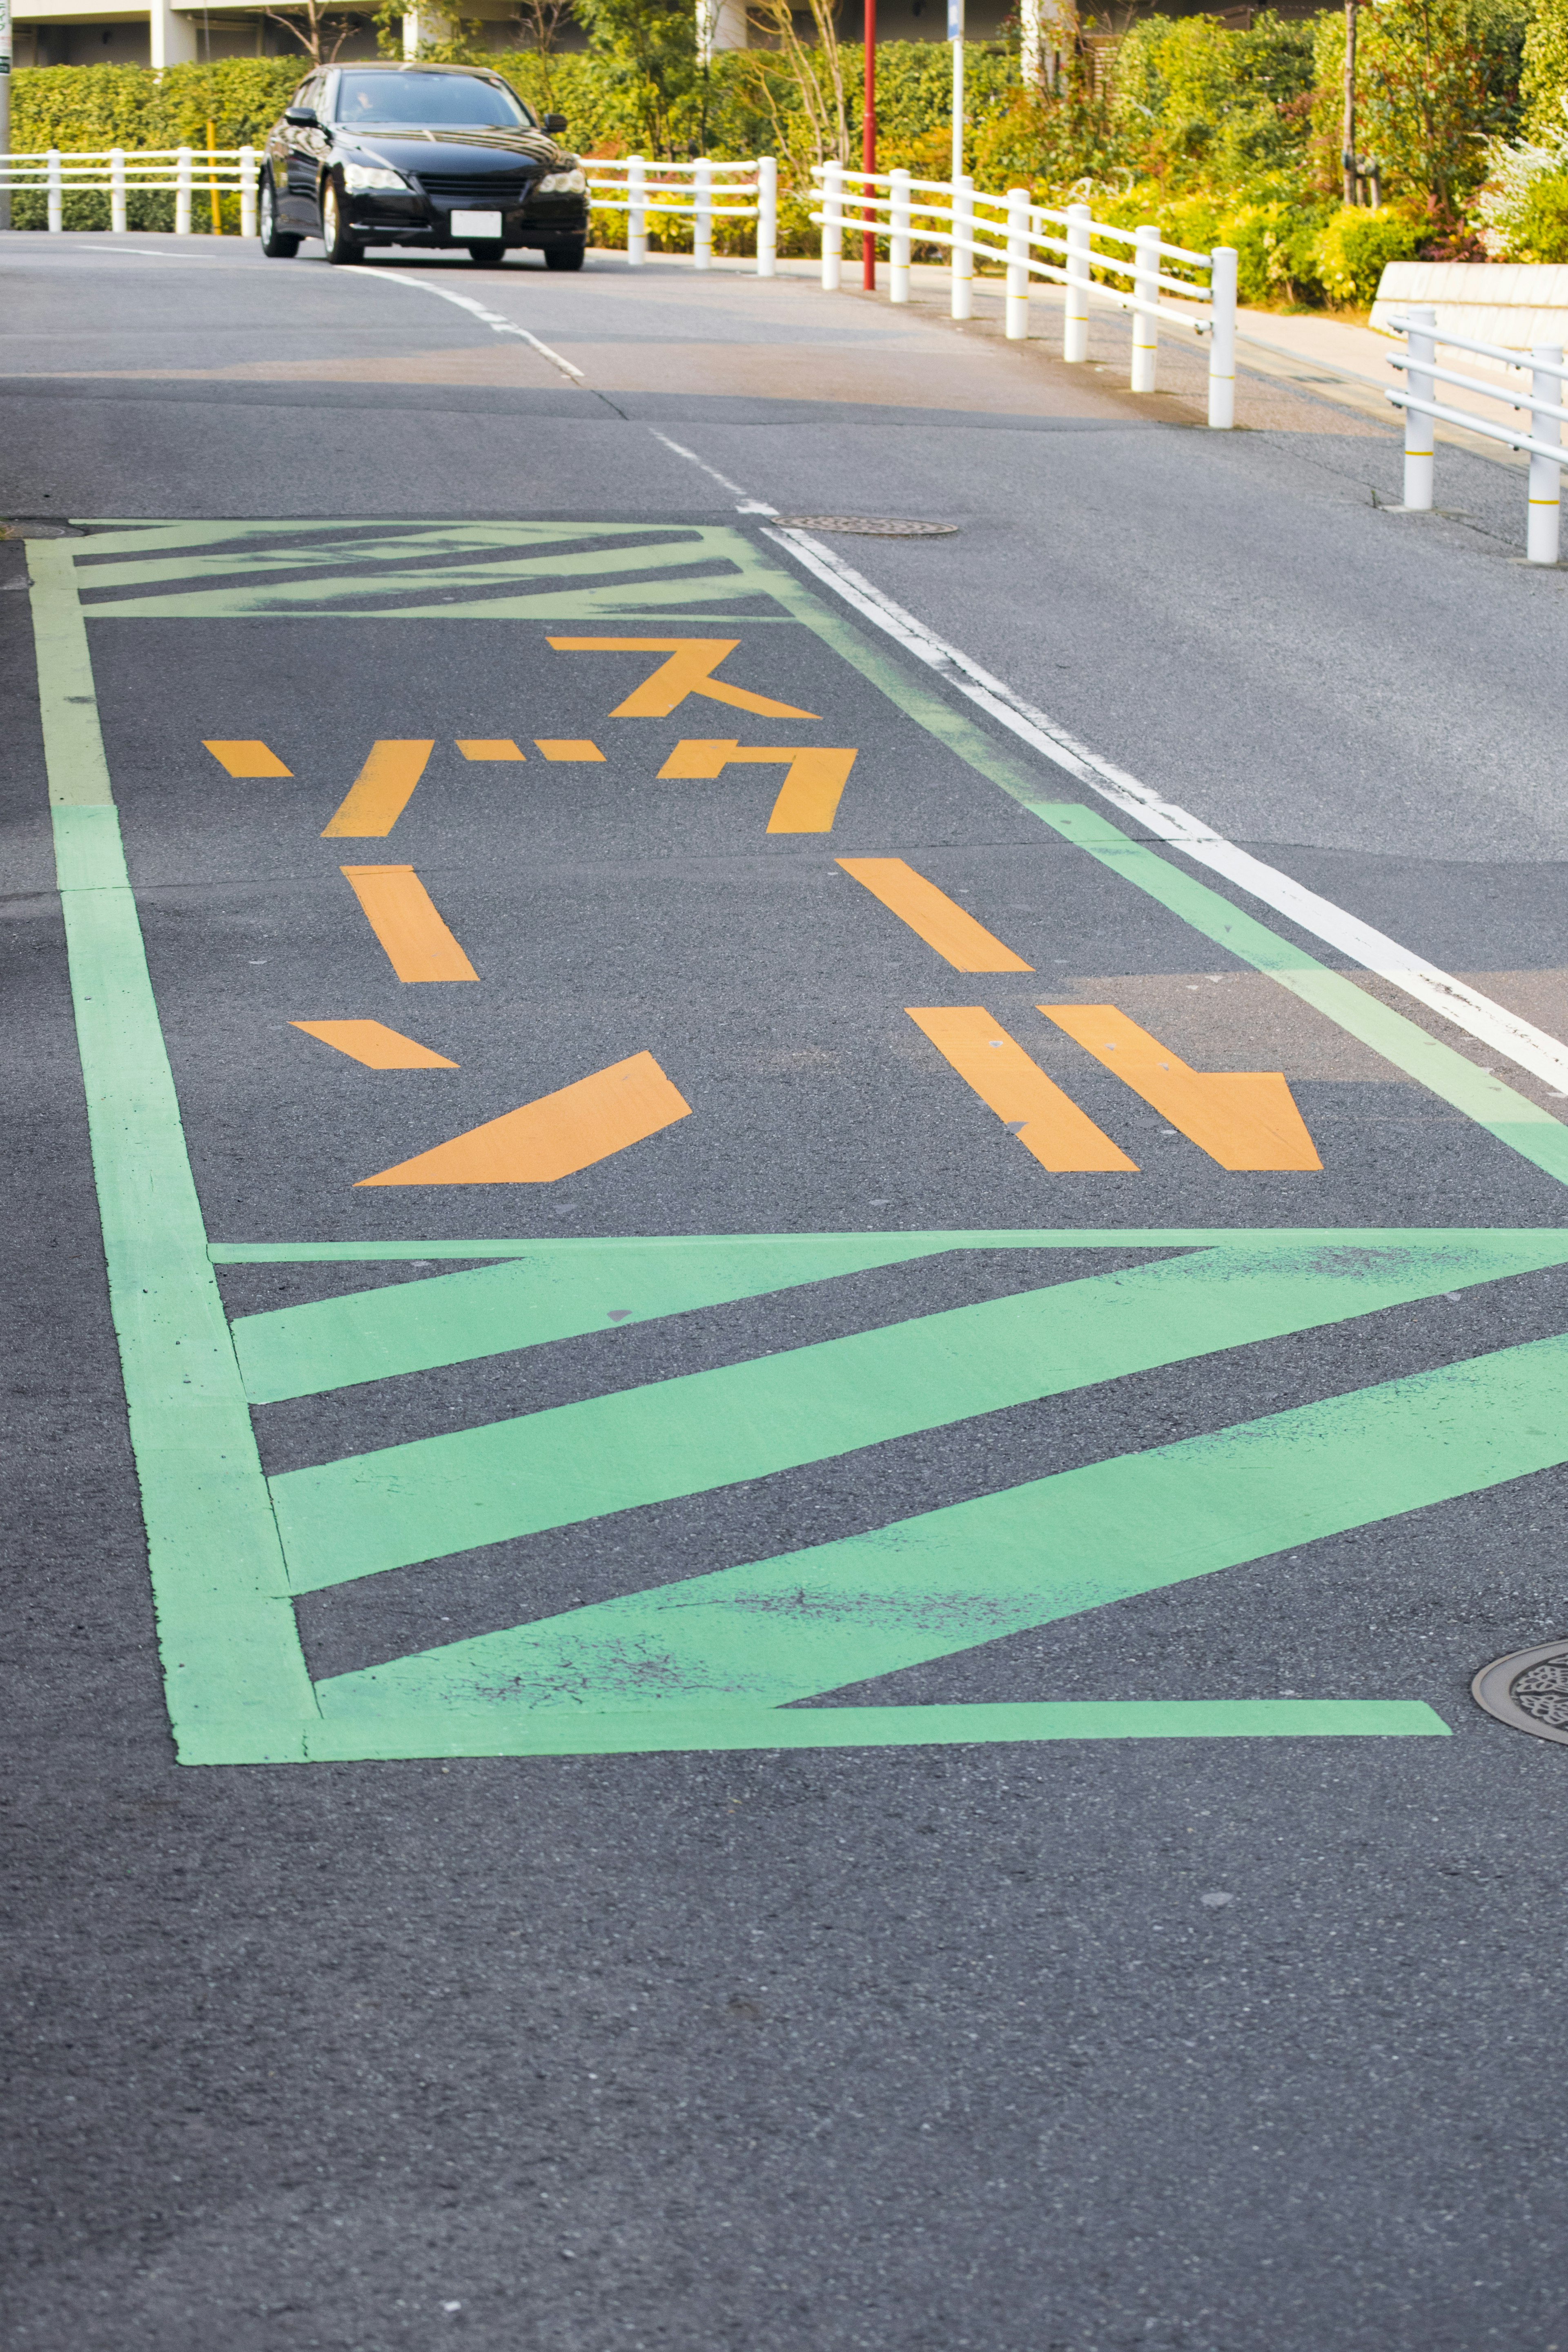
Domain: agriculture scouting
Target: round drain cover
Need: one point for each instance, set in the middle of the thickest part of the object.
(1528, 1690)
(871, 525)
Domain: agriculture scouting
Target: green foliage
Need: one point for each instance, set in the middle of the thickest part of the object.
(650, 80)
(78, 107)
(126, 106)
(1276, 257)
(1544, 79)
(1215, 136)
(1541, 230)
(1208, 106)
(1521, 207)
(1354, 245)
(1434, 79)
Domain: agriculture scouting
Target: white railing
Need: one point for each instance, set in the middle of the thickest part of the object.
(902, 211)
(1543, 441)
(686, 191)
(56, 174)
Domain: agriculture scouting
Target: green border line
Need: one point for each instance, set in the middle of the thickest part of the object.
(225, 1624)
(399, 1738)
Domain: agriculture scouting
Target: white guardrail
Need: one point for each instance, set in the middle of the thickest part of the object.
(207, 171)
(686, 191)
(1012, 229)
(1543, 440)
(700, 192)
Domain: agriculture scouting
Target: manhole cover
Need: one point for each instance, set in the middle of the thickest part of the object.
(871, 525)
(1528, 1690)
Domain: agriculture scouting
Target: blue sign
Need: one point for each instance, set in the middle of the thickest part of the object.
(955, 20)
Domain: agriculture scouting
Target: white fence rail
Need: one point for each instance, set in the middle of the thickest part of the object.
(1544, 403)
(126, 171)
(687, 191)
(1021, 234)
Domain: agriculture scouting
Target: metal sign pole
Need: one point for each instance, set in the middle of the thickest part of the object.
(5, 114)
(956, 41)
(868, 153)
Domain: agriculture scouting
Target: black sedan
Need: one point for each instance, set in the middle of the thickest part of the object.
(420, 156)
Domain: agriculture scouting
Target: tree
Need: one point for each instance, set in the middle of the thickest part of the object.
(648, 48)
(1544, 81)
(816, 74)
(1435, 79)
(321, 30)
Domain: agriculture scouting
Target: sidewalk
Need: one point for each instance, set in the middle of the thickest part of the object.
(1325, 359)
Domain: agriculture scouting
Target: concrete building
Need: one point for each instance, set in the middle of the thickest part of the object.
(167, 32)
(164, 32)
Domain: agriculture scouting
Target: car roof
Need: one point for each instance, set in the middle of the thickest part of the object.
(416, 65)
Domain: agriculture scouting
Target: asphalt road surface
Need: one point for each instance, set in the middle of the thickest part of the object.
(767, 1403)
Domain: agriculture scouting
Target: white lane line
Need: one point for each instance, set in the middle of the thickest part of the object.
(747, 506)
(1481, 1017)
(492, 319)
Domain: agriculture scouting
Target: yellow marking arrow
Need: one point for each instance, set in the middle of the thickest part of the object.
(943, 925)
(1045, 1121)
(1243, 1120)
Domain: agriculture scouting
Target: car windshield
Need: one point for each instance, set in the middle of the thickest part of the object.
(462, 100)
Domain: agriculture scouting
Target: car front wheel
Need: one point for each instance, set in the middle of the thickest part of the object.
(275, 244)
(341, 247)
(567, 254)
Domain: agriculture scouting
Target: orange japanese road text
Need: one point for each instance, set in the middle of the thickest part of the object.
(398, 909)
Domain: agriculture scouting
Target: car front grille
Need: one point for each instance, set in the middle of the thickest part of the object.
(470, 189)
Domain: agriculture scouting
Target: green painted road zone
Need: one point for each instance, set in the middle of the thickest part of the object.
(750, 1655)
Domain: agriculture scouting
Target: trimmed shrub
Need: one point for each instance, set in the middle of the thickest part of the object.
(1356, 245)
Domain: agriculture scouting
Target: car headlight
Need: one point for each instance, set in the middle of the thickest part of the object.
(359, 178)
(563, 184)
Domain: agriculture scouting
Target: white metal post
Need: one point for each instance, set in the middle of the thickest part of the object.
(637, 212)
(56, 198)
(247, 192)
(117, 190)
(1222, 337)
(898, 243)
(1545, 473)
(1145, 288)
(702, 220)
(1075, 310)
(831, 228)
(182, 192)
(767, 216)
(963, 245)
(1419, 444)
(1017, 264)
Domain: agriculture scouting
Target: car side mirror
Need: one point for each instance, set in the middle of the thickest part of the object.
(551, 123)
(303, 118)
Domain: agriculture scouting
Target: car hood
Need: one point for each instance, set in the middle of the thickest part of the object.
(426, 150)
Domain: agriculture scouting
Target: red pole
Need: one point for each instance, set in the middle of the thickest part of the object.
(869, 147)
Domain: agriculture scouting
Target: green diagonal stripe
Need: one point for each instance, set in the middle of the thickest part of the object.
(871, 1605)
(450, 1319)
(682, 1436)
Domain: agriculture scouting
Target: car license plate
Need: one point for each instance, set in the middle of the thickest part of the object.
(476, 224)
